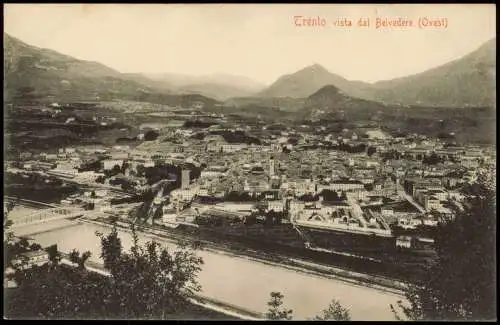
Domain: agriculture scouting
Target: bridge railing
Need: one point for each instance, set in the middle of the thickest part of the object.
(45, 215)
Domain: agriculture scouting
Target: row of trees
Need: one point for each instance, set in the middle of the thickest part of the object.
(432, 159)
(334, 312)
(327, 195)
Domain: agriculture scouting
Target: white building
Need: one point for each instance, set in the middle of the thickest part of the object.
(431, 202)
(213, 173)
(169, 215)
(149, 163)
(342, 186)
(300, 188)
(111, 163)
(88, 176)
(403, 241)
(184, 195)
(236, 207)
(33, 258)
(119, 155)
(234, 147)
(275, 205)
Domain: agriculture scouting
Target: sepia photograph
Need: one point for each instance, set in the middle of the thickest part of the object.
(320, 162)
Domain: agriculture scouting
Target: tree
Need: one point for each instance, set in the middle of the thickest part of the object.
(334, 312)
(35, 247)
(140, 170)
(275, 311)
(433, 159)
(150, 135)
(307, 198)
(76, 258)
(371, 150)
(329, 195)
(9, 239)
(116, 170)
(273, 217)
(125, 166)
(73, 256)
(461, 284)
(111, 248)
(9, 206)
(127, 185)
(90, 206)
(54, 255)
(23, 244)
(58, 291)
(251, 219)
(150, 282)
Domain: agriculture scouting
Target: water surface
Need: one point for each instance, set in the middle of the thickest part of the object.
(247, 283)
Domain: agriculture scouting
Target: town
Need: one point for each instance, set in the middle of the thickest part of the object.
(358, 191)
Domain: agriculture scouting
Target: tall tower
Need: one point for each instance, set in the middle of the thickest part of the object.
(272, 167)
(185, 179)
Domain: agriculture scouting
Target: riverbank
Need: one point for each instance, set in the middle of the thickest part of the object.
(293, 264)
(209, 307)
(240, 281)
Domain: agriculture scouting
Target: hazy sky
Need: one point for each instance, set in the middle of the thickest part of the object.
(259, 41)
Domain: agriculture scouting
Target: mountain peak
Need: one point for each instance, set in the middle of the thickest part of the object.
(305, 82)
(326, 90)
(316, 67)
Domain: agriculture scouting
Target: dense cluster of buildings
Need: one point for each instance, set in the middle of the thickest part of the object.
(314, 180)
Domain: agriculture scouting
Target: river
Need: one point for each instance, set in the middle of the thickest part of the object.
(245, 283)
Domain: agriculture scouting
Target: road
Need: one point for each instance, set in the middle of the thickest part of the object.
(409, 198)
(358, 213)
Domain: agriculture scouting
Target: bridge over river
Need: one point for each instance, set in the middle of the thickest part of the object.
(47, 215)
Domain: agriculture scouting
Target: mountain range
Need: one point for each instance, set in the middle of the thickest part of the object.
(468, 81)
(38, 72)
(218, 86)
(32, 71)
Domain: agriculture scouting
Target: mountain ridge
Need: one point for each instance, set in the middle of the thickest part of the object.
(32, 74)
(466, 81)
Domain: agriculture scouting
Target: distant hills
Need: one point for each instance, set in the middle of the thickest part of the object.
(468, 81)
(330, 98)
(32, 72)
(307, 81)
(218, 86)
(331, 106)
(335, 109)
(457, 97)
(36, 74)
